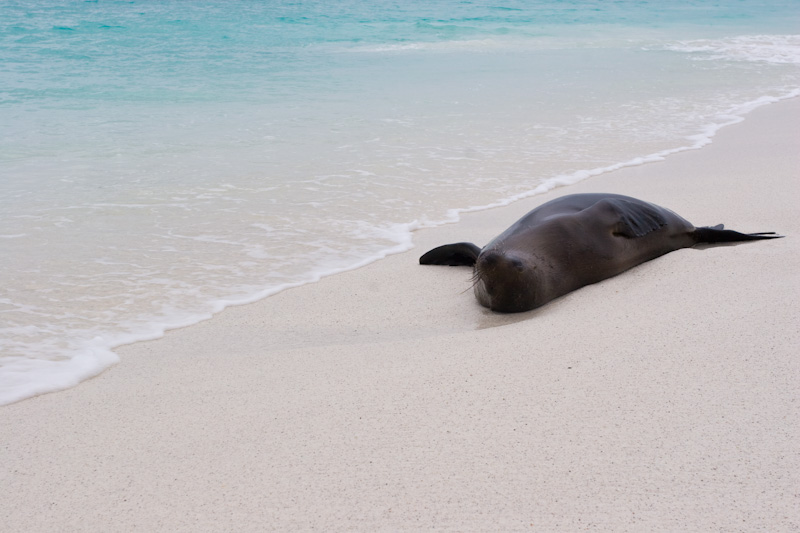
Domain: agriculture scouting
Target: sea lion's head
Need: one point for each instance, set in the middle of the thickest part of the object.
(506, 281)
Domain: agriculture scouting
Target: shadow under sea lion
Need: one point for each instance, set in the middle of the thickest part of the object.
(573, 241)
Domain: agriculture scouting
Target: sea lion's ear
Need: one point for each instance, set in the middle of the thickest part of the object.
(459, 254)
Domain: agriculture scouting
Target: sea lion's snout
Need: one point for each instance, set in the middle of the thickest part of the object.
(503, 282)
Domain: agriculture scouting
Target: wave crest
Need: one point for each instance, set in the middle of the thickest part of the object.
(777, 49)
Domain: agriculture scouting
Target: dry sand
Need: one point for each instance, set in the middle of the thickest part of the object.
(665, 399)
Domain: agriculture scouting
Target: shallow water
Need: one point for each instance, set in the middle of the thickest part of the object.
(161, 162)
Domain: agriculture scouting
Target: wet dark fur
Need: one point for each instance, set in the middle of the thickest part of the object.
(574, 241)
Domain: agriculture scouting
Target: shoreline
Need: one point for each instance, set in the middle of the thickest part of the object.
(98, 354)
(386, 398)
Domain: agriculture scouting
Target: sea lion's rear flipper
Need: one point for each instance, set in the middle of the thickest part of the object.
(717, 234)
(628, 219)
(459, 254)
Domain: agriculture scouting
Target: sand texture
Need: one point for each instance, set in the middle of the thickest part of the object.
(386, 399)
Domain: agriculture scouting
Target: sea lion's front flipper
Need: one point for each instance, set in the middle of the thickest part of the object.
(459, 254)
(628, 219)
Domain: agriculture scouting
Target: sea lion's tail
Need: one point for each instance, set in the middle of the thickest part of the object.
(459, 254)
(717, 234)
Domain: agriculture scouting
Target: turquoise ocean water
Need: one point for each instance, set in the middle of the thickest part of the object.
(162, 160)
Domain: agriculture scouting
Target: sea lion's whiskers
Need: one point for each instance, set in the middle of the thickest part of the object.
(474, 279)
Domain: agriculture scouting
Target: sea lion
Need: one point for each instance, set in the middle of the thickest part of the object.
(573, 241)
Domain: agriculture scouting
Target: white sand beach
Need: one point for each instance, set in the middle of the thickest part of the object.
(386, 399)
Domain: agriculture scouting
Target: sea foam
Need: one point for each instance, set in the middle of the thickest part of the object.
(778, 49)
